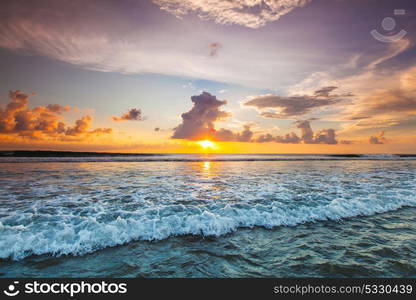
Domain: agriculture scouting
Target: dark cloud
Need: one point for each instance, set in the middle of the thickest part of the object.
(274, 106)
(227, 135)
(378, 140)
(42, 121)
(325, 91)
(198, 123)
(306, 131)
(134, 114)
(245, 135)
(224, 135)
(290, 138)
(325, 136)
(214, 48)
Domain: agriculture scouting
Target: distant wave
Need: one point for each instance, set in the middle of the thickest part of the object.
(207, 157)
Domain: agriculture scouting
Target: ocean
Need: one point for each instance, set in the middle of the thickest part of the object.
(184, 215)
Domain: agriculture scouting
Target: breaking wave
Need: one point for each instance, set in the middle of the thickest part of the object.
(77, 209)
(78, 235)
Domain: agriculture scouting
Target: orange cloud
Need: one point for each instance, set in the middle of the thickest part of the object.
(42, 122)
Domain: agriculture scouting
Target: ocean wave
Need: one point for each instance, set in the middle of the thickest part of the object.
(208, 157)
(77, 209)
(70, 234)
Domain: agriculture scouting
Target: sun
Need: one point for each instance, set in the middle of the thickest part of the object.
(206, 144)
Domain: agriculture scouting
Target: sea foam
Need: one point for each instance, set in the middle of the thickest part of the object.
(79, 235)
(73, 213)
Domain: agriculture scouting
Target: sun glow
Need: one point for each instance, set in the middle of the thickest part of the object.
(205, 144)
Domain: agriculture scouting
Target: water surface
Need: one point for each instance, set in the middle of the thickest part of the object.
(209, 218)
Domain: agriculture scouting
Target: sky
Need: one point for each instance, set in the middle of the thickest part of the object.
(251, 76)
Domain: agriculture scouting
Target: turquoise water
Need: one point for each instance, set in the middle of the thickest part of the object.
(230, 218)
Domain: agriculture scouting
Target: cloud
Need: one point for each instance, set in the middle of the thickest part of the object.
(325, 91)
(387, 102)
(289, 138)
(99, 131)
(198, 123)
(227, 135)
(325, 136)
(42, 121)
(378, 140)
(135, 37)
(306, 132)
(274, 106)
(265, 138)
(307, 136)
(134, 114)
(252, 14)
(214, 48)
(81, 126)
(384, 90)
(390, 105)
(58, 108)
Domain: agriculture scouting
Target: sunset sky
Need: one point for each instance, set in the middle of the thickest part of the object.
(271, 76)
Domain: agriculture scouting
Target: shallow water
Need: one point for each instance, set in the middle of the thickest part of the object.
(208, 219)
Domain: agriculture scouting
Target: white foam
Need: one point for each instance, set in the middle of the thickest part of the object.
(80, 235)
(78, 209)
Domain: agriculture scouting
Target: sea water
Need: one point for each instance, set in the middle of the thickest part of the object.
(208, 216)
